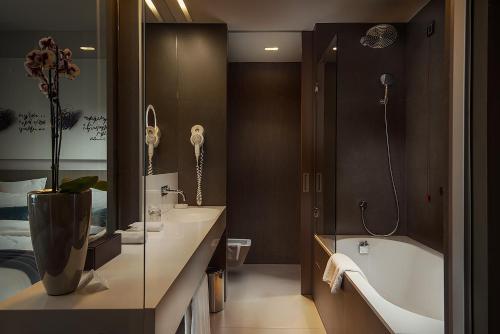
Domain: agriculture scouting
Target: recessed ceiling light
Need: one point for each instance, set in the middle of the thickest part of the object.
(153, 9)
(87, 48)
(273, 48)
(185, 10)
(334, 48)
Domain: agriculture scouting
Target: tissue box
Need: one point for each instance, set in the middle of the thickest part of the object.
(102, 250)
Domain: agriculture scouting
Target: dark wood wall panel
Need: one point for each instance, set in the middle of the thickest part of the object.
(307, 162)
(264, 146)
(127, 121)
(493, 159)
(361, 158)
(161, 79)
(186, 80)
(203, 100)
(427, 126)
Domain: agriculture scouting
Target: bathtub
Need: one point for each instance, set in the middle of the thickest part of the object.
(404, 283)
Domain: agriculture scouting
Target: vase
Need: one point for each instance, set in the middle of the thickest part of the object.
(59, 225)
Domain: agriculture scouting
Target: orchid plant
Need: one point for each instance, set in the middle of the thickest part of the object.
(46, 64)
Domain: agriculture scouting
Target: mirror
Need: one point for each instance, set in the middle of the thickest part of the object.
(25, 113)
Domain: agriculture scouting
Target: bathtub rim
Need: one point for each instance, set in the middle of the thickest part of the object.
(395, 318)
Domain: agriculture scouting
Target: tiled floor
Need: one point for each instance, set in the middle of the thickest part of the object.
(266, 299)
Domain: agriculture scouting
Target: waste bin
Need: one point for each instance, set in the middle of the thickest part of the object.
(216, 289)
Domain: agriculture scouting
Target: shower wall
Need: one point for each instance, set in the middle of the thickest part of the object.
(361, 158)
(427, 125)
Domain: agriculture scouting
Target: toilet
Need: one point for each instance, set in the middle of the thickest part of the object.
(237, 250)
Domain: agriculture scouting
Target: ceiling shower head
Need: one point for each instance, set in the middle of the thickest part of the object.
(380, 36)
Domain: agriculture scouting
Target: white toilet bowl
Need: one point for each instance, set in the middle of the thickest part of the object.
(237, 250)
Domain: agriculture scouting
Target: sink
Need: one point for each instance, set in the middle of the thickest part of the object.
(191, 215)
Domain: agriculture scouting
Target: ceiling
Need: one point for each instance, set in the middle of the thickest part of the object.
(249, 46)
(49, 15)
(256, 24)
(291, 15)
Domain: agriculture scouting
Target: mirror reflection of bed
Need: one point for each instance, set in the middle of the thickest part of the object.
(17, 262)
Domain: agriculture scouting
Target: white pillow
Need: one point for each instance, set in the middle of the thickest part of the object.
(12, 199)
(99, 199)
(23, 187)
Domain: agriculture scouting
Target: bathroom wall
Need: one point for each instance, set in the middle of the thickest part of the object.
(186, 80)
(263, 165)
(361, 158)
(427, 125)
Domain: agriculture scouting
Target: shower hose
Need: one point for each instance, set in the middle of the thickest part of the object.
(363, 204)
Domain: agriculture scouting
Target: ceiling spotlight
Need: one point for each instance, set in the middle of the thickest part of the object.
(334, 48)
(153, 9)
(273, 48)
(87, 48)
(185, 10)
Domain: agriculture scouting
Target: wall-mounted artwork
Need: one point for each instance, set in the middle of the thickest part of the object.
(25, 113)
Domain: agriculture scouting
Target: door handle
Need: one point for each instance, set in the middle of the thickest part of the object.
(319, 182)
(305, 182)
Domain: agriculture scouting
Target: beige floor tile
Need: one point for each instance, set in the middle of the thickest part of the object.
(229, 330)
(266, 299)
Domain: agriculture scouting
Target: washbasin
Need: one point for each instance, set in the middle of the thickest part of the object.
(191, 214)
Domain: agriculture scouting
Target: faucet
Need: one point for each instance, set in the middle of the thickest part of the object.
(165, 190)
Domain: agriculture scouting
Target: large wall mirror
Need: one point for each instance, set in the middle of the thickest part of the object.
(81, 26)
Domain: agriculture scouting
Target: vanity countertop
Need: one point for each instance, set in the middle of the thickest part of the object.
(166, 254)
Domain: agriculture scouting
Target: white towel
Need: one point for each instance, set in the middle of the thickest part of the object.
(336, 266)
(150, 226)
(234, 248)
(132, 237)
(92, 282)
(200, 309)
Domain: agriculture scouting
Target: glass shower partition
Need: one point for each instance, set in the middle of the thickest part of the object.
(325, 143)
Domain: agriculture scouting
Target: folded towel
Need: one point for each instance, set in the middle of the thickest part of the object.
(337, 265)
(200, 309)
(150, 226)
(132, 237)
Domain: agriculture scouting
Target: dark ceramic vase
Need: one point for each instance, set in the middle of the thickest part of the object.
(59, 224)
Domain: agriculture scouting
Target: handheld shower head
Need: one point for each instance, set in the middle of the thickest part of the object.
(386, 79)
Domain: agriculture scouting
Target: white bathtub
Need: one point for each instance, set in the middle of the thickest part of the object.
(405, 281)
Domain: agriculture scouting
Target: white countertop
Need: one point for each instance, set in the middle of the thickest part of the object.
(166, 252)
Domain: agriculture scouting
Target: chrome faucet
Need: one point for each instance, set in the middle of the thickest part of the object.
(165, 190)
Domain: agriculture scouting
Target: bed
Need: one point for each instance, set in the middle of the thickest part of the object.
(17, 262)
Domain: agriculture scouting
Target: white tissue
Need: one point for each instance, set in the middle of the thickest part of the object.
(92, 282)
(132, 237)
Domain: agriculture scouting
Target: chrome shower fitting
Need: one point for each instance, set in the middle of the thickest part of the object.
(386, 80)
(380, 36)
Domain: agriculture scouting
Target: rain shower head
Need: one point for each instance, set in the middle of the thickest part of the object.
(380, 36)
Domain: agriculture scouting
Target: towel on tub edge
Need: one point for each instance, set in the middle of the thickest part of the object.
(336, 266)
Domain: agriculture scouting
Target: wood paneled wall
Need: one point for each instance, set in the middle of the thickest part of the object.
(361, 158)
(186, 80)
(307, 163)
(127, 149)
(264, 146)
(427, 126)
